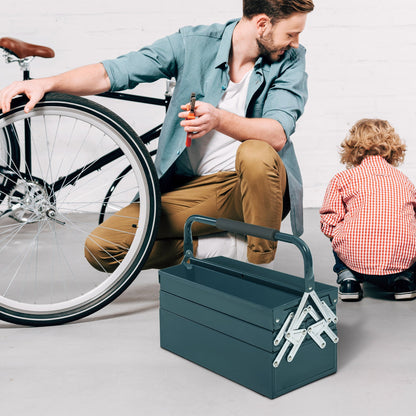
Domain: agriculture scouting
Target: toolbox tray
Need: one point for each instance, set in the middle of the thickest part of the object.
(234, 318)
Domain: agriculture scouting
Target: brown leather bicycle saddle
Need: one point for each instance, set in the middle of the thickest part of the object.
(23, 50)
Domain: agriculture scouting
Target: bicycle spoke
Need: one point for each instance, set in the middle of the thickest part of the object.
(67, 148)
(22, 261)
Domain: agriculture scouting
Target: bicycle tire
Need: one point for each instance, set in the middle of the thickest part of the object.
(9, 148)
(78, 149)
(9, 152)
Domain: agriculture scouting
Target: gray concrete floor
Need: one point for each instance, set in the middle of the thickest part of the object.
(111, 363)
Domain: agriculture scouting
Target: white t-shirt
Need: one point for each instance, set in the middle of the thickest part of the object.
(216, 152)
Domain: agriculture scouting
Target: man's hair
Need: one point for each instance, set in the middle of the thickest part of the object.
(371, 137)
(276, 9)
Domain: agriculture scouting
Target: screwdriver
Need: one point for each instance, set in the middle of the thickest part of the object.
(190, 116)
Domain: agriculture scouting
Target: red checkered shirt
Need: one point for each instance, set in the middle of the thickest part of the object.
(369, 212)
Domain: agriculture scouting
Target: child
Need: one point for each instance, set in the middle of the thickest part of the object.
(369, 214)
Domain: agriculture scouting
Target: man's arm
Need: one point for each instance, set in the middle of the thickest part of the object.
(239, 128)
(243, 128)
(86, 80)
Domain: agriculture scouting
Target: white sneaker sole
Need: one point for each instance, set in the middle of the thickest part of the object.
(405, 295)
(350, 296)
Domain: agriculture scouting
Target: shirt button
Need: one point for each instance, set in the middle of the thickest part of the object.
(223, 87)
(178, 152)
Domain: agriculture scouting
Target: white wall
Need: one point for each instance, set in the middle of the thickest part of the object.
(361, 61)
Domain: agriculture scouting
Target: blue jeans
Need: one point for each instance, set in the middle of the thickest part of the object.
(385, 281)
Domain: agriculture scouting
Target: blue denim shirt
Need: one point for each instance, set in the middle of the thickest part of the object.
(197, 57)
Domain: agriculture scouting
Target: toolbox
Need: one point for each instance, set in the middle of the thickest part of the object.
(266, 330)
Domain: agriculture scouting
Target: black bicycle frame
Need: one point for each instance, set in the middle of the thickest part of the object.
(154, 132)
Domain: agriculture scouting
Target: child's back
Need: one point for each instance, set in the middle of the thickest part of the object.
(369, 211)
(377, 235)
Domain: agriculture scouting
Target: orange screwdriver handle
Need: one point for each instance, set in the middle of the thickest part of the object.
(190, 116)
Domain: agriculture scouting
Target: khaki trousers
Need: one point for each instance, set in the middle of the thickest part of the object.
(255, 193)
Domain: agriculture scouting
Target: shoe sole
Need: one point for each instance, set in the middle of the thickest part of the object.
(350, 296)
(405, 295)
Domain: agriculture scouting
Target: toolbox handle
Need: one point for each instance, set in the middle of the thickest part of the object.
(242, 228)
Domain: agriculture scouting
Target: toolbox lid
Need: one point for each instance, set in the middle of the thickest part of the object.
(248, 292)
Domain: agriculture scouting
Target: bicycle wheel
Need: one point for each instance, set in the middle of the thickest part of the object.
(52, 187)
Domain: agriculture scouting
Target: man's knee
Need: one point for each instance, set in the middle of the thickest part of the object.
(105, 248)
(108, 244)
(257, 158)
(100, 254)
(92, 252)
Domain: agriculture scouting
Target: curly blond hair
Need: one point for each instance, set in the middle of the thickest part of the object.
(370, 137)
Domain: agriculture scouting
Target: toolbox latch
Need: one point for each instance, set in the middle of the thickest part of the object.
(294, 335)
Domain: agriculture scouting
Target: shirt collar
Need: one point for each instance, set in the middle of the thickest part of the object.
(224, 50)
(223, 54)
(374, 160)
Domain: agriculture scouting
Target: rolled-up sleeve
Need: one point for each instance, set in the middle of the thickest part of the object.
(159, 60)
(333, 209)
(287, 95)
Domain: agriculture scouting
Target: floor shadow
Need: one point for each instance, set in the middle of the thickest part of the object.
(102, 316)
(373, 291)
(137, 298)
(351, 341)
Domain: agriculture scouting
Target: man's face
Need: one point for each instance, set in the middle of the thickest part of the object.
(277, 38)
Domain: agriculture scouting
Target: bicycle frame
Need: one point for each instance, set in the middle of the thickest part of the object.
(154, 132)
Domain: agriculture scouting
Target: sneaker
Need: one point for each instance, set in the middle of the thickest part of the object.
(404, 288)
(350, 290)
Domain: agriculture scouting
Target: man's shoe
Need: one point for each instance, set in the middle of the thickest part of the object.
(404, 288)
(350, 290)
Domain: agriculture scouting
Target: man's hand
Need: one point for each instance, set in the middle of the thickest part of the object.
(86, 80)
(33, 89)
(207, 119)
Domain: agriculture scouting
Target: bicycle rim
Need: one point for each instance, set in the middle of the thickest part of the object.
(52, 203)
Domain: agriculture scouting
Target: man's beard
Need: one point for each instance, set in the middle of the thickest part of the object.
(269, 54)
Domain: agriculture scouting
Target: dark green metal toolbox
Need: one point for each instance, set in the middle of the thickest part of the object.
(266, 330)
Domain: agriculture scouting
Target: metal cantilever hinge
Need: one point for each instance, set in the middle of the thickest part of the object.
(294, 335)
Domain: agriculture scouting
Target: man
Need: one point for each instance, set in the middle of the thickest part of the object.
(250, 84)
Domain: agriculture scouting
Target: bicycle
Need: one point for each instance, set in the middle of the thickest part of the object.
(65, 167)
